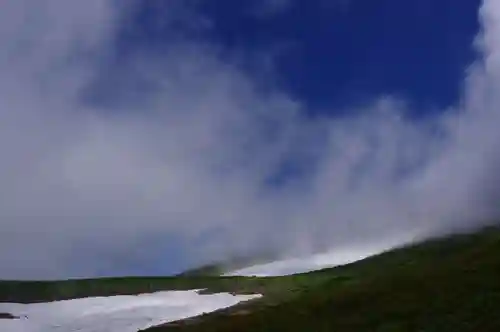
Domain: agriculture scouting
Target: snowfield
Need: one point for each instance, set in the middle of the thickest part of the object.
(133, 313)
(115, 313)
(301, 265)
(320, 261)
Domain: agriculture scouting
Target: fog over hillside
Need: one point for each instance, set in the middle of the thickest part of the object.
(193, 158)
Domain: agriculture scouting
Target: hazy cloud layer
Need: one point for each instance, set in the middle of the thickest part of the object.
(195, 154)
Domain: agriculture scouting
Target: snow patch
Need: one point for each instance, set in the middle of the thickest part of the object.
(115, 313)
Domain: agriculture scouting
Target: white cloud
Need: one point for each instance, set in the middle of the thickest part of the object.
(81, 184)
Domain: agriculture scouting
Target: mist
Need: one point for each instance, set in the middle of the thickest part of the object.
(184, 160)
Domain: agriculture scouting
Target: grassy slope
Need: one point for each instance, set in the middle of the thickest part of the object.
(450, 284)
(41, 291)
(443, 285)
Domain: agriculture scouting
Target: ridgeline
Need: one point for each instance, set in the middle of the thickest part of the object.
(446, 284)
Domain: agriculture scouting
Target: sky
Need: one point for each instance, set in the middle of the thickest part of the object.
(146, 137)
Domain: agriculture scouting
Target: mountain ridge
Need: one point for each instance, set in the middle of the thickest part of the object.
(443, 284)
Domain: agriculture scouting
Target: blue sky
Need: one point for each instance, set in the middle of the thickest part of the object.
(332, 57)
(144, 137)
(334, 53)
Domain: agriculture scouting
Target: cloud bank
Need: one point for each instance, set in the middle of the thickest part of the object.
(190, 153)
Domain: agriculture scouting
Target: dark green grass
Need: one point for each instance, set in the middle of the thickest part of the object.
(45, 291)
(442, 285)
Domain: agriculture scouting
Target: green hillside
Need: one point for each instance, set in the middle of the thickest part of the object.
(448, 284)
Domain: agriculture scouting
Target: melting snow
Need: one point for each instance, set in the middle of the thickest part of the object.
(114, 314)
(319, 261)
